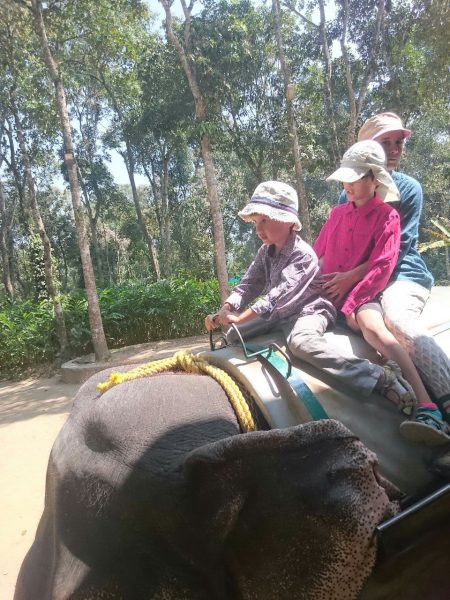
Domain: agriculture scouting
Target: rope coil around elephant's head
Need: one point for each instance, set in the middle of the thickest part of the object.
(188, 362)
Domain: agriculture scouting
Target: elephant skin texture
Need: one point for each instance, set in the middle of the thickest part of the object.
(153, 493)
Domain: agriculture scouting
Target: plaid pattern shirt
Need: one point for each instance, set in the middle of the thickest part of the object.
(283, 285)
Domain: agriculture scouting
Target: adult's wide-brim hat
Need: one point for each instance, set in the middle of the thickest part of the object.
(361, 158)
(380, 124)
(276, 200)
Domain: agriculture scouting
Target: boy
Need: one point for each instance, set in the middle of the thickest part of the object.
(284, 271)
(285, 277)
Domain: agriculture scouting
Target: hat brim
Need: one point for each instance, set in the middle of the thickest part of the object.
(406, 132)
(348, 174)
(250, 210)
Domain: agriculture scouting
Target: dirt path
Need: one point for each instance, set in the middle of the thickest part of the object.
(31, 414)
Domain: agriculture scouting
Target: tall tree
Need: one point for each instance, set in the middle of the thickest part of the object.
(373, 39)
(95, 320)
(4, 220)
(130, 163)
(109, 39)
(50, 279)
(160, 136)
(328, 91)
(205, 141)
(4, 249)
(289, 92)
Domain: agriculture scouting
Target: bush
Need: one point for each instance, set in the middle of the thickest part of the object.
(27, 336)
(141, 312)
(132, 313)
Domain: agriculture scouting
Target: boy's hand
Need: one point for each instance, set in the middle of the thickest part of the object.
(211, 322)
(239, 318)
(218, 318)
(232, 318)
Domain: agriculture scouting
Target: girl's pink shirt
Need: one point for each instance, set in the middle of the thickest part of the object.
(351, 236)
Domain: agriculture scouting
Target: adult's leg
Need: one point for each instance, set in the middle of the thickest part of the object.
(305, 338)
(402, 303)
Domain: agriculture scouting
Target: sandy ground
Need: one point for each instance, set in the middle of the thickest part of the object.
(31, 414)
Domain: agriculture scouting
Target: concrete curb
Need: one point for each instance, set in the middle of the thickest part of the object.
(80, 369)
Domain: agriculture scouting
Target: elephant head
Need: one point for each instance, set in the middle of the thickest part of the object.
(153, 493)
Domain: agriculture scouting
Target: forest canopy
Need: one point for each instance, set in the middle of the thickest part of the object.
(201, 102)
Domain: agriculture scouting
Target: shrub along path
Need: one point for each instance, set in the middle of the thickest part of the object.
(31, 414)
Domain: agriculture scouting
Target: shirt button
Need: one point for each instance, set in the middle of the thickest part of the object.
(340, 266)
(346, 249)
(350, 229)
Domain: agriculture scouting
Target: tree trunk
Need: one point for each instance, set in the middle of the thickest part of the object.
(165, 219)
(351, 132)
(40, 227)
(356, 106)
(327, 89)
(130, 166)
(205, 145)
(289, 95)
(216, 216)
(7, 280)
(18, 178)
(95, 319)
(93, 219)
(161, 205)
(129, 162)
(4, 249)
(374, 51)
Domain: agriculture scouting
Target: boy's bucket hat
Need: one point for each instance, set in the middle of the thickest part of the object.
(361, 158)
(381, 124)
(276, 200)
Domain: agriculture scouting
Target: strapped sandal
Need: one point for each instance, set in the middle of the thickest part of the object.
(408, 401)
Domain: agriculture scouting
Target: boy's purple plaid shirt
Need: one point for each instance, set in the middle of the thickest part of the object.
(286, 285)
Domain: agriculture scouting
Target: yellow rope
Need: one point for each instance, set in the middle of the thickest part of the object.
(186, 361)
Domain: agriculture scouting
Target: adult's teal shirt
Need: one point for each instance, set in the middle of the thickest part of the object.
(410, 265)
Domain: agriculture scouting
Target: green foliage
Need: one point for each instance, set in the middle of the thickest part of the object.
(38, 268)
(27, 336)
(436, 251)
(441, 238)
(141, 312)
(125, 83)
(133, 313)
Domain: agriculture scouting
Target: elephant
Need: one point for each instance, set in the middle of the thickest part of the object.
(153, 492)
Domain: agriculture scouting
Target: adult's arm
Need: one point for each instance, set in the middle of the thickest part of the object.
(410, 210)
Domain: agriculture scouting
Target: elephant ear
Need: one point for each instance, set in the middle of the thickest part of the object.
(291, 513)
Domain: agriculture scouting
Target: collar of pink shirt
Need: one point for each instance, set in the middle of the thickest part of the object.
(366, 208)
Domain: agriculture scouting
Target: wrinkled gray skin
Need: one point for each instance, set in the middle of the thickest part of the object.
(153, 493)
